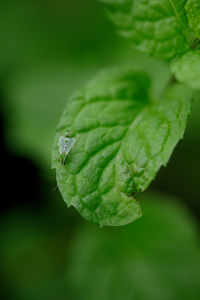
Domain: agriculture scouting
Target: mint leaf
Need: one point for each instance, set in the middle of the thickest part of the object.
(158, 257)
(158, 27)
(186, 68)
(193, 12)
(122, 139)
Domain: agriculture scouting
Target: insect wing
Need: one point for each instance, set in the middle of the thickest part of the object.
(61, 145)
(69, 144)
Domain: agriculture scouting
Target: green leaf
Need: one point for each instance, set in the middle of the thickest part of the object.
(122, 139)
(157, 257)
(186, 68)
(158, 27)
(193, 12)
(35, 97)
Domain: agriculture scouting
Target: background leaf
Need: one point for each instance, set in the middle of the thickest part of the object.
(155, 258)
(186, 68)
(156, 27)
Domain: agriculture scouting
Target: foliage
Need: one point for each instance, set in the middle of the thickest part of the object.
(156, 257)
(123, 135)
(163, 28)
(122, 139)
(49, 49)
(186, 68)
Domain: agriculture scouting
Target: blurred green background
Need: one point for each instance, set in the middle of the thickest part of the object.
(48, 50)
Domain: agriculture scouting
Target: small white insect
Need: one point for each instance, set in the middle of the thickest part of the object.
(65, 145)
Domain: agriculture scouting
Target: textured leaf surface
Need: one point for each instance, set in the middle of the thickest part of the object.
(122, 139)
(186, 68)
(158, 27)
(155, 258)
(193, 12)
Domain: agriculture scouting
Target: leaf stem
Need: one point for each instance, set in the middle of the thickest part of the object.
(172, 80)
(195, 43)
